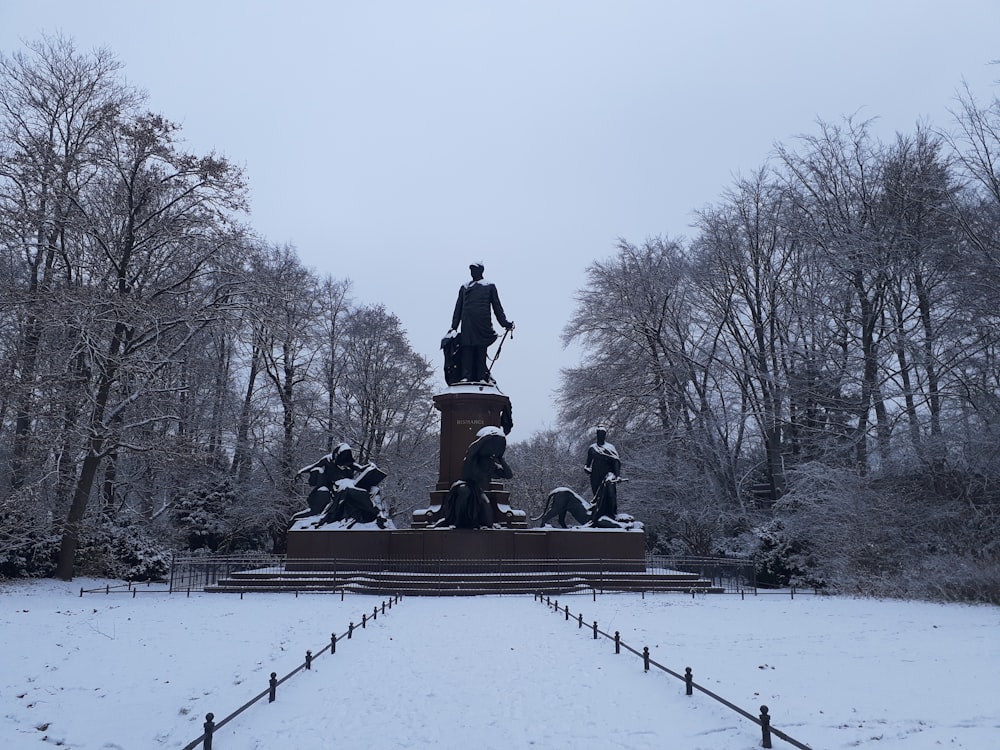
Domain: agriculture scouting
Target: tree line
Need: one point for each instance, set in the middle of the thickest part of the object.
(814, 377)
(166, 371)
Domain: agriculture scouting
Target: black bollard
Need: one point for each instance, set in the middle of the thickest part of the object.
(595, 630)
(274, 687)
(341, 593)
(333, 643)
(765, 727)
(309, 659)
(688, 681)
(618, 643)
(209, 729)
(567, 613)
(364, 621)
(645, 658)
(579, 621)
(383, 608)
(375, 613)
(350, 631)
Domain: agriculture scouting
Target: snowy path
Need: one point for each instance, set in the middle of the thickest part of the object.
(485, 672)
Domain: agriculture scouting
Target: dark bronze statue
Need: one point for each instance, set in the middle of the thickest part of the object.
(563, 500)
(604, 467)
(467, 506)
(472, 330)
(343, 490)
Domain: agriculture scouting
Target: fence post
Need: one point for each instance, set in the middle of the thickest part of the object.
(618, 643)
(579, 621)
(309, 659)
(333, 643)
(209, 729)
(567, 613)
(688, 681)
(375, 613)
(383, 608)
(364, 621)
(274, 687)
(595, 630)
(350, 630)
(557, 606)
(765, 727)
(645, 658)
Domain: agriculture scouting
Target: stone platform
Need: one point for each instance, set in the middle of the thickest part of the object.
(502, 550)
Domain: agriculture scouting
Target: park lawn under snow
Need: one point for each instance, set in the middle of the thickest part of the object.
(117, 672)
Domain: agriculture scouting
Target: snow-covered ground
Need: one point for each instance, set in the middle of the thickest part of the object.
(115, 672)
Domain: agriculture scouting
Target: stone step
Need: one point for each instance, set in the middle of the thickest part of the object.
(427, 584)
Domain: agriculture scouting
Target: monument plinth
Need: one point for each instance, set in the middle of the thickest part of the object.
(465, 409)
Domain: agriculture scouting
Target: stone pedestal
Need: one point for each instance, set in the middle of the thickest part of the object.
(465, 410)
(467, 550)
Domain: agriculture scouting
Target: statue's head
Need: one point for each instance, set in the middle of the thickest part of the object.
(490, 441)
(602, 433)
(476, 269)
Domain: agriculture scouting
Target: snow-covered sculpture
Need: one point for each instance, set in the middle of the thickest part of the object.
(563, 500)
(343, 491)
(467, 506)
(604, 468)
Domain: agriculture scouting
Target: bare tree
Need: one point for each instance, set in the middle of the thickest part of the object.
(152, 224)
(56, 105)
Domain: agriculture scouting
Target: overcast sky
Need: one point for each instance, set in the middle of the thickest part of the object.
(395, 142)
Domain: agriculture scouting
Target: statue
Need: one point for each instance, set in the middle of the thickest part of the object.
(563, 500)
(472, 330)
(343, 490)
(604, 467)
(467, 506)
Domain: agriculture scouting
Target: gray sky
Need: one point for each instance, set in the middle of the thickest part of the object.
(395, 142)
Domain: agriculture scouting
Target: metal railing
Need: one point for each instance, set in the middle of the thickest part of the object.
(196, 572)
(732, 574)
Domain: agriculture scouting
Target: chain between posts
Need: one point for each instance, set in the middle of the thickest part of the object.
(211, 726)
(763, 720)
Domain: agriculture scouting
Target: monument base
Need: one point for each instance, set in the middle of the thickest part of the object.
(503, 550)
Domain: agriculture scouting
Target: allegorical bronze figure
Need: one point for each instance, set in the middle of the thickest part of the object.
(467, 506)
(604, 467)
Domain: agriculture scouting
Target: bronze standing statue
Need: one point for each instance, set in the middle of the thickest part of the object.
(472, 330)
(604, 467)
